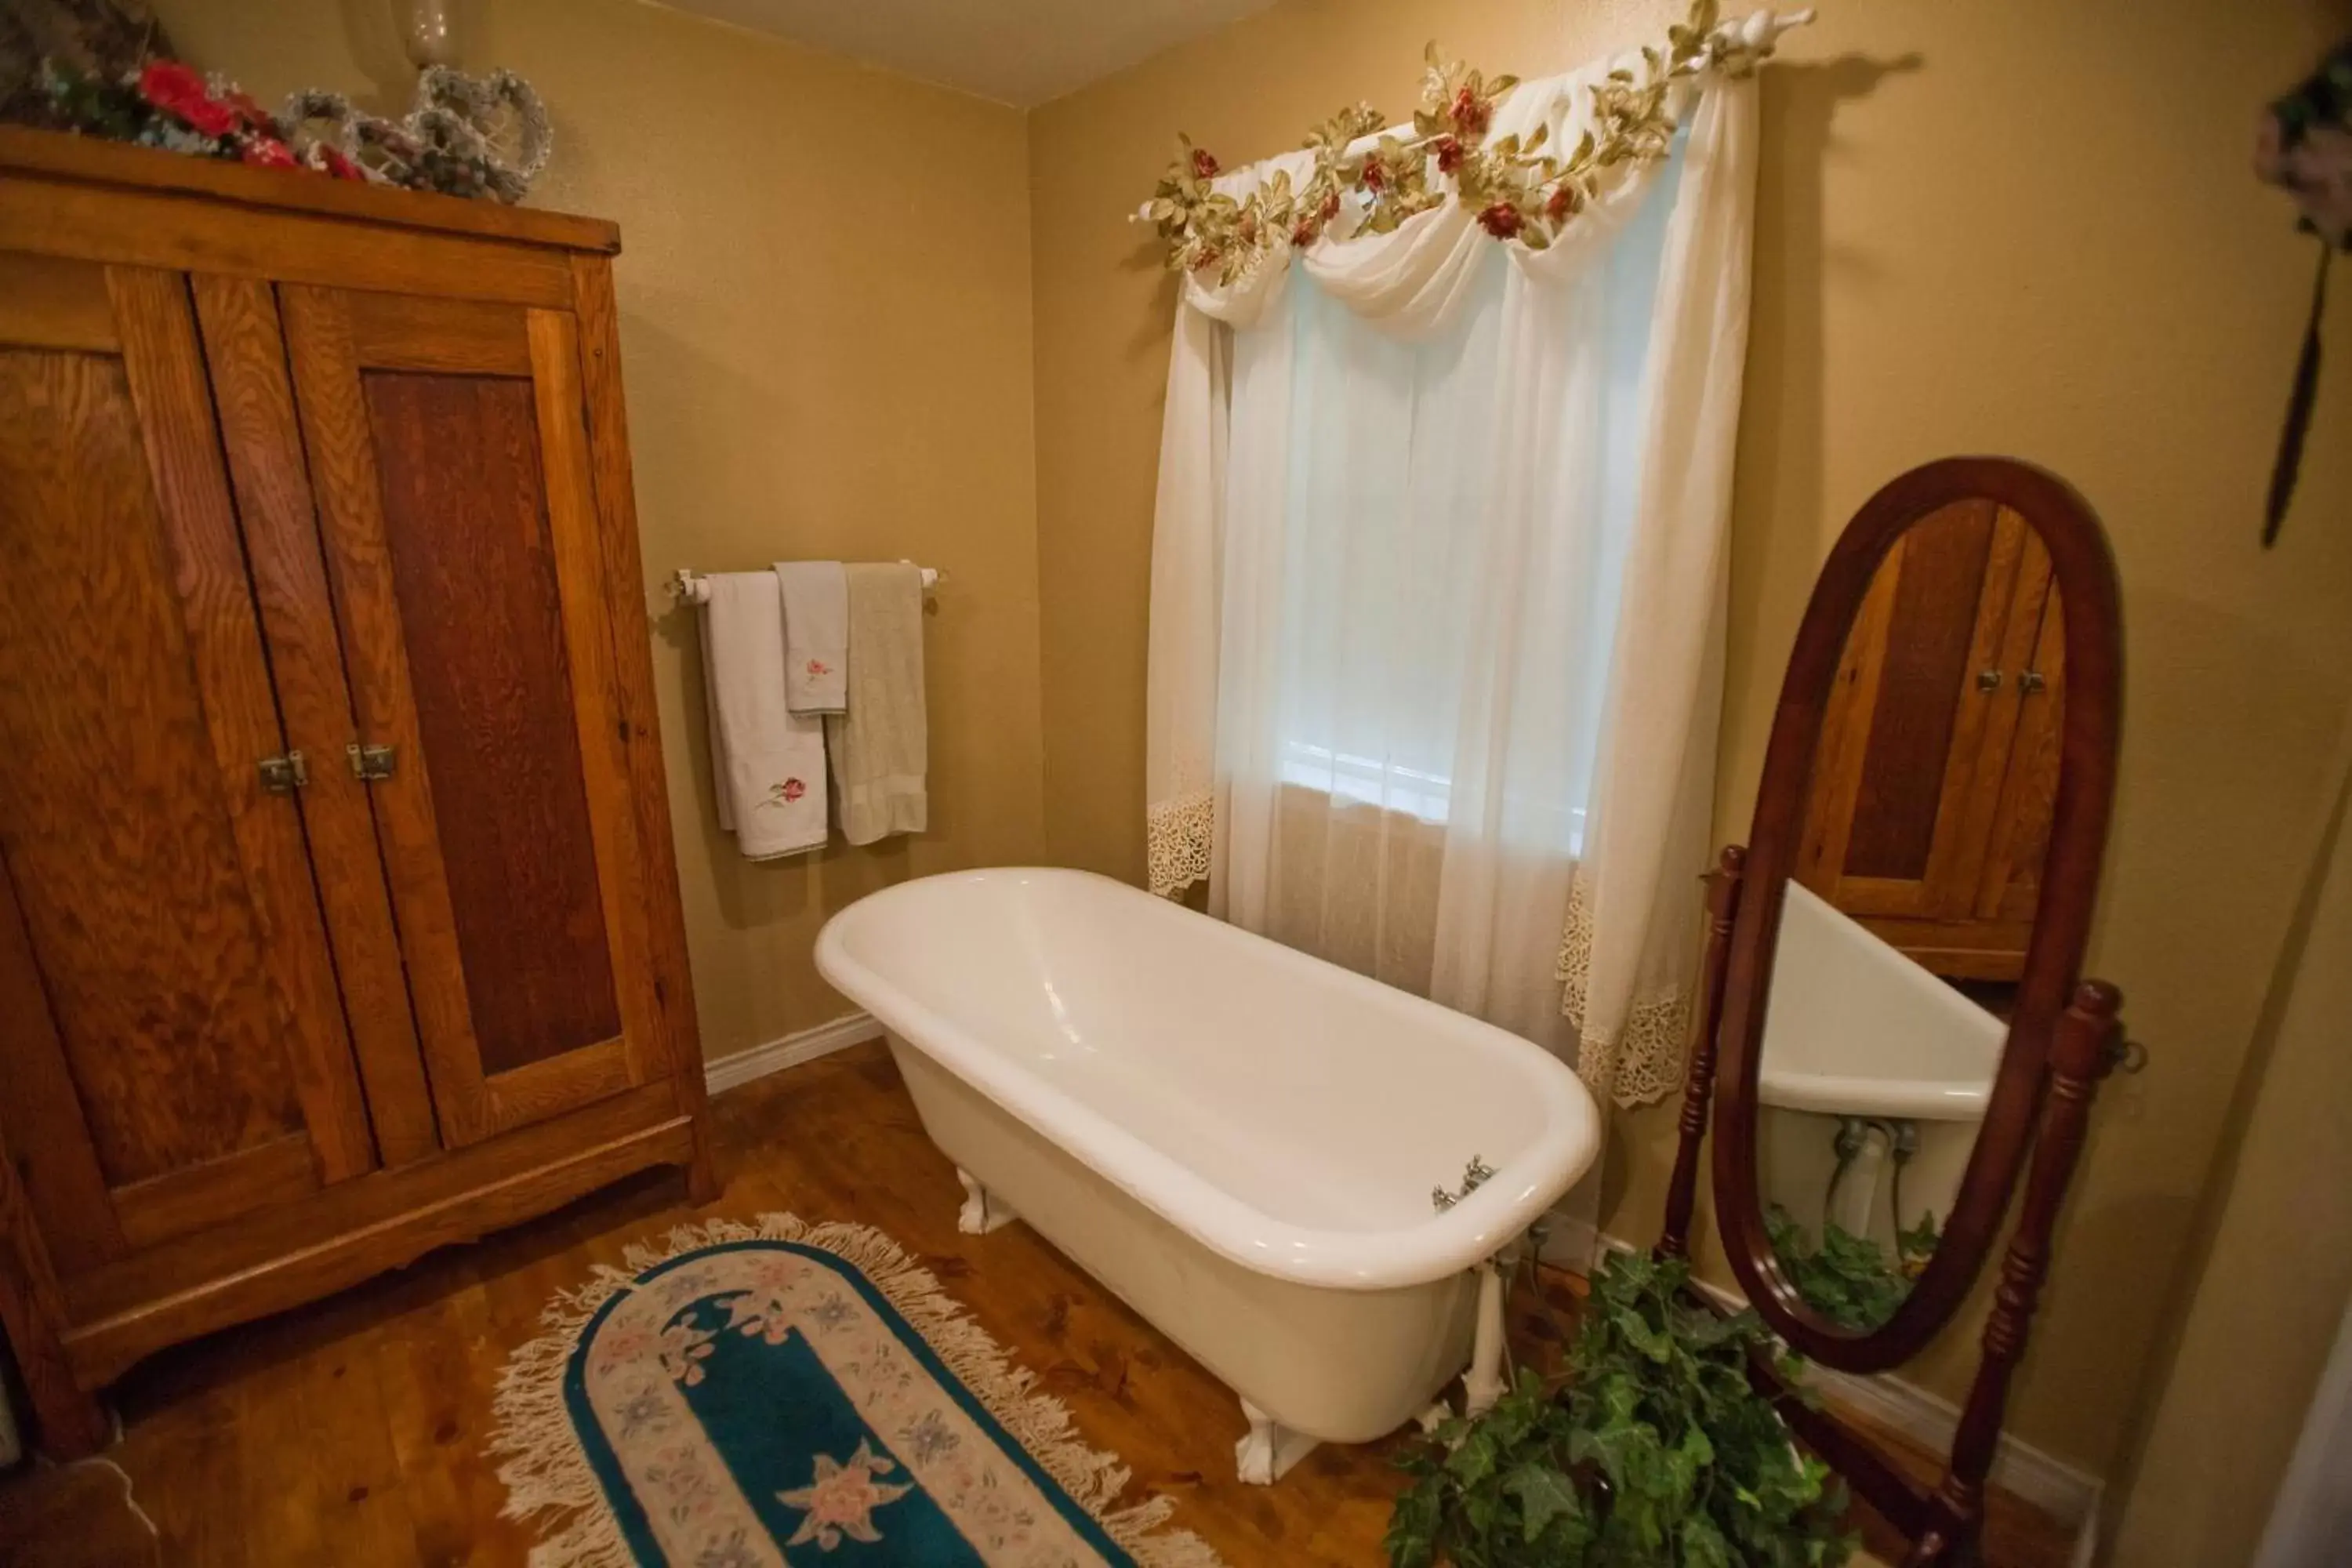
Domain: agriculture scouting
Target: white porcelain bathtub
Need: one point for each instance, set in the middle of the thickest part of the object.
(1237, 1139)
(1855, 1029)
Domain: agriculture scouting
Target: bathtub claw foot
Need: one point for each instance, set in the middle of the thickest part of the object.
(982, 1211)
(1438, 1414)
(1267, 1455)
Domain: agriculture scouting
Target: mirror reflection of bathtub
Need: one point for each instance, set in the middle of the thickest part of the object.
(1874, 1077)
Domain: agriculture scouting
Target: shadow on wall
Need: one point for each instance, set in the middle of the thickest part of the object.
(1782, 422)
(1149, 253)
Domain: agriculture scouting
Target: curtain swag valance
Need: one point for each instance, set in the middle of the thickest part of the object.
(1360, 180)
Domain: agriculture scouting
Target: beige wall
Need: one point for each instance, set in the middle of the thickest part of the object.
(1985, 227)
(1997, 227)
(2275, 1271)
(825, 328)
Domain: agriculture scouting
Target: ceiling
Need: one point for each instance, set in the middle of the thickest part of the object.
(1021, 52)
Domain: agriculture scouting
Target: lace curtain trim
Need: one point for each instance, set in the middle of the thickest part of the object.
(1641, 1062)
(1177, 834)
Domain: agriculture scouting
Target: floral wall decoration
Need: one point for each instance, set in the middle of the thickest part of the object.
(1518, 189)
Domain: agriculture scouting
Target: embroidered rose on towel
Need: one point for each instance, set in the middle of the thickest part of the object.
(785, 794)
(817, 667)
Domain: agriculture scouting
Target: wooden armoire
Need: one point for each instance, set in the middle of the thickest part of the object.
(1930, 803)
(340, 911)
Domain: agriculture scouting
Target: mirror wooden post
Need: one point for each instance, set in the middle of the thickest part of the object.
(1948, 576)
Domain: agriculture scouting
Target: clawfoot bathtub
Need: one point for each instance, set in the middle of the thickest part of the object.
(1238, 1139)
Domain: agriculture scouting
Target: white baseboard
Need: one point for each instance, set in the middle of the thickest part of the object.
(790, 1051)
(2064, 1491)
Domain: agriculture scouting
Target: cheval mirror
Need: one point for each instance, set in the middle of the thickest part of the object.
(1894, 1028)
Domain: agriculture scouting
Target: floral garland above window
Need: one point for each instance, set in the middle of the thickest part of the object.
(1517, 190)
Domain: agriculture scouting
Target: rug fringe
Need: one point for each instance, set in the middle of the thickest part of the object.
(548, 1476)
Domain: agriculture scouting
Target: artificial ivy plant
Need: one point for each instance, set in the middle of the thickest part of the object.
(1656, 1451)
(1848, 1279)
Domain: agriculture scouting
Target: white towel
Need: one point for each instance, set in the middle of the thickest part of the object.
(879, 747)
(767, 761)
(816, 635)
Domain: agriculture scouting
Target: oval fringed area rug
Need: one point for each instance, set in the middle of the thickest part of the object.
(752, 1395)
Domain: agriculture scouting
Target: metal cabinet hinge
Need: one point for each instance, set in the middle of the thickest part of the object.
(285, 774)
(370, 764)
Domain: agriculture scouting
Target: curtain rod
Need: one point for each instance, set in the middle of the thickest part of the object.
(1757, 29)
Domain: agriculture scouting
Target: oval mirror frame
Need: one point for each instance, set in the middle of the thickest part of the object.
(2082, 570)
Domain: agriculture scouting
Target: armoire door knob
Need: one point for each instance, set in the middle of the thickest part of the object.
(2030, 681)
(1987, 680)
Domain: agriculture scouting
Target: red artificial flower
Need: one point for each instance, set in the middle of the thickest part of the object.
(1449, 154)
(267, 152)
(1374, 176)
(252, 114)
(1204, 164)
(338, 165)
(1561, 203)
(1305, 233)
(1470, 114)
(1502, 220)
(179, 92)
(167, 83)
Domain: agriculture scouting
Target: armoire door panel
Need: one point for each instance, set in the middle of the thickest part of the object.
(578, 534)
(2010, 623)
(461, 544)
(1921, 719)
(342, 459)
(245, 353)
(1919, 701)
(482, 619)
(2010, 887)
(195, 1013)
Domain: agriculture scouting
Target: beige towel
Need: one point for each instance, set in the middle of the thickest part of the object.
(816, 635)
(877, 747)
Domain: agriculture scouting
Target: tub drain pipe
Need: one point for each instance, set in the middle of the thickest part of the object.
(1482, 1383)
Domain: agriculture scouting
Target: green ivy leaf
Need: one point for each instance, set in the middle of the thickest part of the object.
(1544, 1493)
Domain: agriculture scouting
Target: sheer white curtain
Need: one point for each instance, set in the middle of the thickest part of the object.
(1437, 578)
(1416, 627)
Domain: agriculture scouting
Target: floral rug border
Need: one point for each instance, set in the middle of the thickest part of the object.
(551, 1481)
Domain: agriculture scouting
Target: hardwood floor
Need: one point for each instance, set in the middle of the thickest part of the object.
(349, 1433)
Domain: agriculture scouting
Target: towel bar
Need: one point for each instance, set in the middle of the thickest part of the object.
(687, 587)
